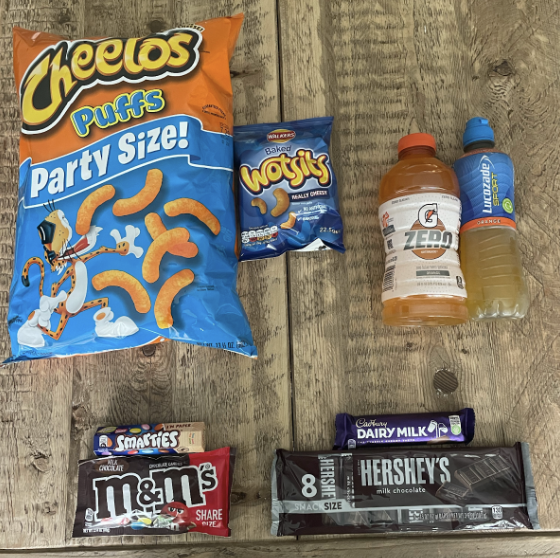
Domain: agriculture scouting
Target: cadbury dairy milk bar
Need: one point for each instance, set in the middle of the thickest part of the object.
(397, 489)
(427, 428)
(150, 439)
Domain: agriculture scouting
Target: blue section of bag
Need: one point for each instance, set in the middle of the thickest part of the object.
(54, 308)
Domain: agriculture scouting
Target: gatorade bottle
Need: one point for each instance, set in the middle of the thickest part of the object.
(419, 213)
(489, 252)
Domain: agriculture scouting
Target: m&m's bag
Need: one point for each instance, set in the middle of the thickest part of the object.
(155, 495)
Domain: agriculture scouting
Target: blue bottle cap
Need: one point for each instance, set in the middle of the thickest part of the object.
(477, 129)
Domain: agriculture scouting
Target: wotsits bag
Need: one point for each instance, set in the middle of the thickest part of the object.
(288, 193)
(126, 226)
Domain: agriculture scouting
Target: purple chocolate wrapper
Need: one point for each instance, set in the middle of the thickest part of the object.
(418, 428)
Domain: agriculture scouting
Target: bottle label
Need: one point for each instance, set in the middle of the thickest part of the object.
(486, 181)
(421, 236)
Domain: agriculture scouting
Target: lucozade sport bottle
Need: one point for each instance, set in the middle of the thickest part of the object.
(489, 246)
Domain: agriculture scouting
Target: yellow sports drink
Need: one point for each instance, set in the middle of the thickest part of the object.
(490, 255)
(419, 214)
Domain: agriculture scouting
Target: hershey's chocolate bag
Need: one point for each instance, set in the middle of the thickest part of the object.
(368, 491)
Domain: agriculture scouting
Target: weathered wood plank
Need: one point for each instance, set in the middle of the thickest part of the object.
(473, 546)
(127, 386)
(176, 382)
(247, 403)
(384, 69)
(518, 86)
(34, 397)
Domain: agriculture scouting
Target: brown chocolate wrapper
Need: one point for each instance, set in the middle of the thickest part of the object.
(372, 491)
(160, 495)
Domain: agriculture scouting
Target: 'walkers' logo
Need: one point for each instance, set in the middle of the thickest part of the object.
(55, 79)
(280, 136)
(427, 237)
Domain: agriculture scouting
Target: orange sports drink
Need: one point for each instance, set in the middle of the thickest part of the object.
(420, 214)
(489, 243)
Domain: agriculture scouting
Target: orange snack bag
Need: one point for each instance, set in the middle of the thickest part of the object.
(113, 130)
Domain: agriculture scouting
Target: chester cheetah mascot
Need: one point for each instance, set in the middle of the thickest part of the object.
(56, 233)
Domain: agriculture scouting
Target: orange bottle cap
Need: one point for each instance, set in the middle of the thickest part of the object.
(416, 140)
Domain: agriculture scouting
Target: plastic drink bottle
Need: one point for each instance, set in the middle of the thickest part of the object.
(490, 255)
(419, 214)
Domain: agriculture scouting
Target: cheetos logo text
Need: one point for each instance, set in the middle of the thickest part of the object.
(55, 79)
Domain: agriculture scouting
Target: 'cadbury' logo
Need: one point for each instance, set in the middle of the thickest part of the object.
(296, 170)
(363, 423)
(60, 72)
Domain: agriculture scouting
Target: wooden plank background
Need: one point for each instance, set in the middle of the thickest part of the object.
(383, 69)
(466, 546)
